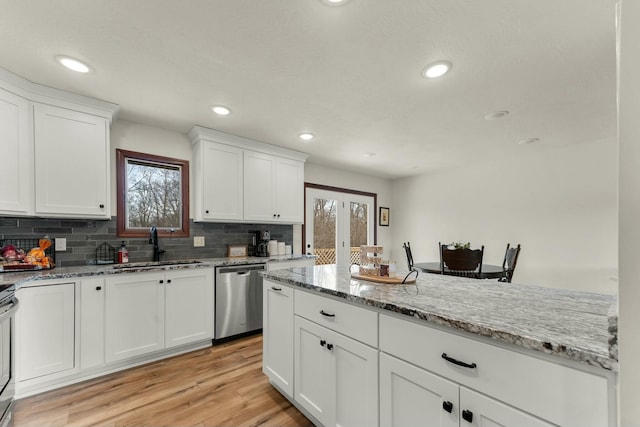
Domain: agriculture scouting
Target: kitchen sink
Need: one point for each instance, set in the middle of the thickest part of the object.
(157, 263)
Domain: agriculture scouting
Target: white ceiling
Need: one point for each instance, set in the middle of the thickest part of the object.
(349, 74)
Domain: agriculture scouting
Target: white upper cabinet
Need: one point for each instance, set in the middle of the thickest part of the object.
(238, 179)
(71, 163)
(218, 182)
(55, 147)
(16, 146)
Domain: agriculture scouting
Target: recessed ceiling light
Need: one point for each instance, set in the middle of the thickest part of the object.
(437, 69)
(369, 154)
(496, 115)
(334, 2)
(73, 64)
(221, 110)
(306, 136)
(528, 141)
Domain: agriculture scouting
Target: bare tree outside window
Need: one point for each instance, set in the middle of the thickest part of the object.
(152, 191)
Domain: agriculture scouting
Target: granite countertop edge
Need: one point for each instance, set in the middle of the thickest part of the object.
(572, 352)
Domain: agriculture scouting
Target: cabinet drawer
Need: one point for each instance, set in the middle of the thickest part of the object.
(355, 322)
(557, 393)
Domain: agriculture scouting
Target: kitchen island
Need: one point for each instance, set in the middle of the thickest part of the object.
(550, 355)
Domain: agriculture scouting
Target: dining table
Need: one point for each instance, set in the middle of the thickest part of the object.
(488, 271)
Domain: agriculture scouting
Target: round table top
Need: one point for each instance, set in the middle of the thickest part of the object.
(489, 271)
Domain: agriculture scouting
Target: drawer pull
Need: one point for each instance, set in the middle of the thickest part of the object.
(459, 363)
(467, 416)
(330, 346)
(447, 406)
(276, 289)
(322, 342)
(327, 314)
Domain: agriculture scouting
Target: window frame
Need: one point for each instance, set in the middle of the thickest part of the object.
(121, 162)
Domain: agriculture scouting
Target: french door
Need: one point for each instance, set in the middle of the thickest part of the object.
(336, 224)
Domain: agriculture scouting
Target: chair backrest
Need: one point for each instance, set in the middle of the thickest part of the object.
(509, 262)
(461, 262)
(407, 250)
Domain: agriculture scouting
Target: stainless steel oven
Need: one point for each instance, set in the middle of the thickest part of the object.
(8, 307)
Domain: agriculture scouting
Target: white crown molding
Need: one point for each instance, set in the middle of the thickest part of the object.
(199, 133)
(47, 95)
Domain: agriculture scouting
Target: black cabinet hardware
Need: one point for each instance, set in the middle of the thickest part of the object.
(276, 289)
(278, 215)
(322, 342)
(457, 362)
(274, 215)
(101, 206)
(98, 288)
(330, 346)
(161, 281)
(447, 406)
(327, 314)
(206, 211)
(169, 281)
(467, 416)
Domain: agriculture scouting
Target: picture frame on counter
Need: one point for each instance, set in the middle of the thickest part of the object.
(383, 217)
(237, 251)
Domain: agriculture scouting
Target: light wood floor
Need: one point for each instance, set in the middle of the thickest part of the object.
(218, 386)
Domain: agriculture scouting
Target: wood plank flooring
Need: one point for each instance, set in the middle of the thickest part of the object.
(218, 386)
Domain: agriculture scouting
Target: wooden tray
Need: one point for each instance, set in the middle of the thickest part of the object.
(397, 280)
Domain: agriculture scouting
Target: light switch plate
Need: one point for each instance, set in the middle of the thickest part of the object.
(198, 241)
(61, 244)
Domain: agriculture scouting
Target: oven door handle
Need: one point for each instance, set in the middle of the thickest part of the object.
(8, 312)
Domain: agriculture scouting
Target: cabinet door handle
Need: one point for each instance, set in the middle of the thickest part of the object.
(457, 362)
(274, 215)
(322, 343)
(161, 281)
(98, 288)
(467, 416)
(330, 346)
(206, 211)
(327, 314)
(169, 281)
(276, 289)
(447, 406)
(278, 215)
(101, 206)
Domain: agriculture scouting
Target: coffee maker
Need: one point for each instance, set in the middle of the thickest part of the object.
(261, 242)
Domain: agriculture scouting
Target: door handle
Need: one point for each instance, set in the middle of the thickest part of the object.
(324, 313)
(459, 363)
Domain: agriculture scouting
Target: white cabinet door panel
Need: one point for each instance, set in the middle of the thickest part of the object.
(71, 163)
(16, 146)
(222, 176)
(290, 191)
(92, 291)
(277, 344)
(134, 317)
(189, 306)
(410, 396)
(259, 186)
(45, 330)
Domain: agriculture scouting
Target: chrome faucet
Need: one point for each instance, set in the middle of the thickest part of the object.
(153, 239)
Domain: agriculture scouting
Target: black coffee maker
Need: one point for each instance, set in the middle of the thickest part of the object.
(261, 242)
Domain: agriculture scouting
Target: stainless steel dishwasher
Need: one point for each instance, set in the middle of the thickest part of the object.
(238, 299)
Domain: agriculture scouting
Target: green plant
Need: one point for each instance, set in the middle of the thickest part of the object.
(459, 245)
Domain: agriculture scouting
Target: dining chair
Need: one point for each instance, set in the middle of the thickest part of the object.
(461, 262)
(407, 250)
(509, 263)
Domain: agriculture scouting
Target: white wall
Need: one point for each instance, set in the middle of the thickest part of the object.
(629, 142)
(324, 175)
(151, 140)
(559, 203)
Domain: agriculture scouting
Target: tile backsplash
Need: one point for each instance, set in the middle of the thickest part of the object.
(84, 236)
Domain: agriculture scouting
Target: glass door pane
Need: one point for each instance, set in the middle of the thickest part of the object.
(358, 229)
(325, 217)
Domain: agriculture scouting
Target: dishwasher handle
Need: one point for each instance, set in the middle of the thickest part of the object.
(240, 269)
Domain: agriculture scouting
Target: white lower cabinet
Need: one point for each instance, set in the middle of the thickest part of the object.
(92, 291)
(134, 316)
(189, 306)
(147, 312)
(336, 377)
(277, 342)
(411, 396)
(45, 330)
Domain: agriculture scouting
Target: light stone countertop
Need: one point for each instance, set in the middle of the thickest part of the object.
(576, 325)
(21, 278)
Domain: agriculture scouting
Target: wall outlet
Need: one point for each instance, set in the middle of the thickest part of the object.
(61, 244)
(198, 242)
